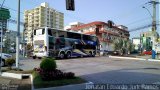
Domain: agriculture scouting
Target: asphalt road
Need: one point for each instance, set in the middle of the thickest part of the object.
(106, 70)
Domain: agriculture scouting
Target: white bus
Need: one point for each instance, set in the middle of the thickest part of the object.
(50, 42)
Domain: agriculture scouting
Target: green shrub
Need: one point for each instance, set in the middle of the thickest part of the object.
(48, 64)
(10, 62)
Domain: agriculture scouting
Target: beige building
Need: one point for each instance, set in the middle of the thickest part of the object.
(72, 25)
(42, 16)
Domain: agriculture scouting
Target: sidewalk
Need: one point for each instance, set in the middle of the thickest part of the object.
(14, 84)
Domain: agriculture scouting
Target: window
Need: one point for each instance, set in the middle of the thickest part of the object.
(62, 34)
(43, 30)
(34, 32)
(78, 46)
(39, 32)
(73, 35)
(87, 37)
(89, 47)
(49, 32)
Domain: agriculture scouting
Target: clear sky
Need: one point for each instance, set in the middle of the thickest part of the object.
(121, 12)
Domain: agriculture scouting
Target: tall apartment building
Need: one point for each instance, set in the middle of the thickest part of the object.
(105, 35)
(42, 16)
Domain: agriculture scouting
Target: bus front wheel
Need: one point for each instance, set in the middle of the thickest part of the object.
(90, 54)
(34, 57)
(61, 55)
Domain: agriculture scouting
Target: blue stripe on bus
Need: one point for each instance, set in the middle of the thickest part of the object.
(76, 54)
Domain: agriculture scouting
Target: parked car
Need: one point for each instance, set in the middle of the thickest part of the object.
(4, 57)
(147, 52)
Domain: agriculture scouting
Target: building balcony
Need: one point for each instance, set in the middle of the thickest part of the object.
(111, 33)
(104, 40)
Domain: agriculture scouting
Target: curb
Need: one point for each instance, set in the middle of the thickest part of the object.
(151, 60)
(32, 86)
(127, 58)
(154, 60)
(14, 75)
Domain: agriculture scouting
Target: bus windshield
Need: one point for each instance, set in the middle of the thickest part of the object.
(39, 32)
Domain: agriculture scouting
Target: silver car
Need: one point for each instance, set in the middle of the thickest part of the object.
(4, 57)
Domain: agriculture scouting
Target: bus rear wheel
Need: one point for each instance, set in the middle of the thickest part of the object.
(68, 55)
(39, 57)
(93, 54)
(34, 57)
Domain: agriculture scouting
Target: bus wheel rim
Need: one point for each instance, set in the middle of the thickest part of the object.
(62, 55)
(68, 55)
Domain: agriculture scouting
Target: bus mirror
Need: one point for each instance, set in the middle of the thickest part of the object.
(45, 48)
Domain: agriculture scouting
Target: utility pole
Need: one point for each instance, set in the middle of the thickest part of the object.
(154, 27)
(154, 33)
(154, 37)
(154, 3)
(18, 35)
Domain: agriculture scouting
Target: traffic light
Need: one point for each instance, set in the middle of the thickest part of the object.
(70, 5)
(110, 23)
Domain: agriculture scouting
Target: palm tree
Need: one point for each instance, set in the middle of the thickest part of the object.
(118, 46)
(125, 42)
(130, 47)
(123, 46)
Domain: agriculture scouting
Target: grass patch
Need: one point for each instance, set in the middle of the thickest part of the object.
(39, 83)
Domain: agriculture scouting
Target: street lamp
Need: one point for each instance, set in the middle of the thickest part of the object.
(148, 11)
(153, 21)
(152, 27)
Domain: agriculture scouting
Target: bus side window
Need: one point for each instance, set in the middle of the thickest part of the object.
(61, 36)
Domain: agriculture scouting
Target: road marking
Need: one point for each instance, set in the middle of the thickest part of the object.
(89, 82)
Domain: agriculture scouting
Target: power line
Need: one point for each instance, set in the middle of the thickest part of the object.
(138, 21)
(142, 27)
(11, 9)
(15, 21)
(2, 3)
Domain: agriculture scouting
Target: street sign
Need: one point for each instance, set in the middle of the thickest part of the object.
(4, 14)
